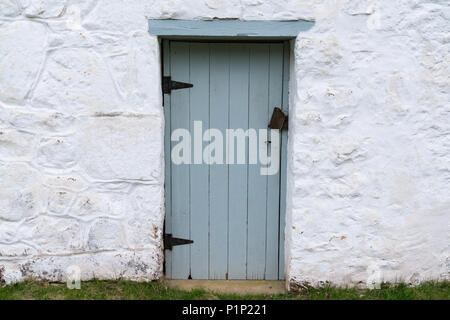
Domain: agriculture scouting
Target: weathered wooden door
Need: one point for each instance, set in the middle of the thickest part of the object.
(233, 213)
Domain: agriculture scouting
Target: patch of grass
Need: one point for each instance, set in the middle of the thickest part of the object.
(425, 291)
(129, 290)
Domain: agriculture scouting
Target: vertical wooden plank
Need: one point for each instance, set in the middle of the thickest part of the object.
(283, 163)
(273, 181)
(257, 183)
(167, 163)
(179, 59)
(239, 74)
(199, 185)
(219, 98)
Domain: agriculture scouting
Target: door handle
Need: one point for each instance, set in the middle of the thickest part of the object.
(279, 120)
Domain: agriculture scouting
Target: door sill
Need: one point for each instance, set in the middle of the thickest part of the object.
(241, 287)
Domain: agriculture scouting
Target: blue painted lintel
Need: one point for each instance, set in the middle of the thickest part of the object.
(228, 28)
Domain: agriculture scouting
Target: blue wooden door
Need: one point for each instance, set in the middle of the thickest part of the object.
(233, 213)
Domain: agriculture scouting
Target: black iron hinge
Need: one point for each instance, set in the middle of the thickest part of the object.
(168, 85)
(170, 241)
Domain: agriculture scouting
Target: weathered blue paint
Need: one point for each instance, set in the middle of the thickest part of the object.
(218, 179)
(180, 184)
(228, 28)
(257, 186)
(230, 211)
(273, 181)
(199, 178)
(167, 162)
(238, 178)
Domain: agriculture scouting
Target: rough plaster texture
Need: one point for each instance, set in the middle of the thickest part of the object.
(81, 138)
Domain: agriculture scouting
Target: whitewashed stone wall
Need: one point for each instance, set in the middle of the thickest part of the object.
(81, 138)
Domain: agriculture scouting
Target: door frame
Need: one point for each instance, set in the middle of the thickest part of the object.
(234, 31)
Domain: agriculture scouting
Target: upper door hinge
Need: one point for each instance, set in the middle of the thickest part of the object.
(168, 85)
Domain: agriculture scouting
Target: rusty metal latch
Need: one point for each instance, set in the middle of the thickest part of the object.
(279, 120)
(170, 242)
(168, 85)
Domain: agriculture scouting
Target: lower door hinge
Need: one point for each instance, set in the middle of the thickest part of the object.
(170, 241)
(168, 85)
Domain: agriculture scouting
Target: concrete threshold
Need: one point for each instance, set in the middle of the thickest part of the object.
(241, 287)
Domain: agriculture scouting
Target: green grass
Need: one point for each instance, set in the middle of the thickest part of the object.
(159, 291)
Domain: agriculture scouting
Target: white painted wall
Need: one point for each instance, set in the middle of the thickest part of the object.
(81, 138)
